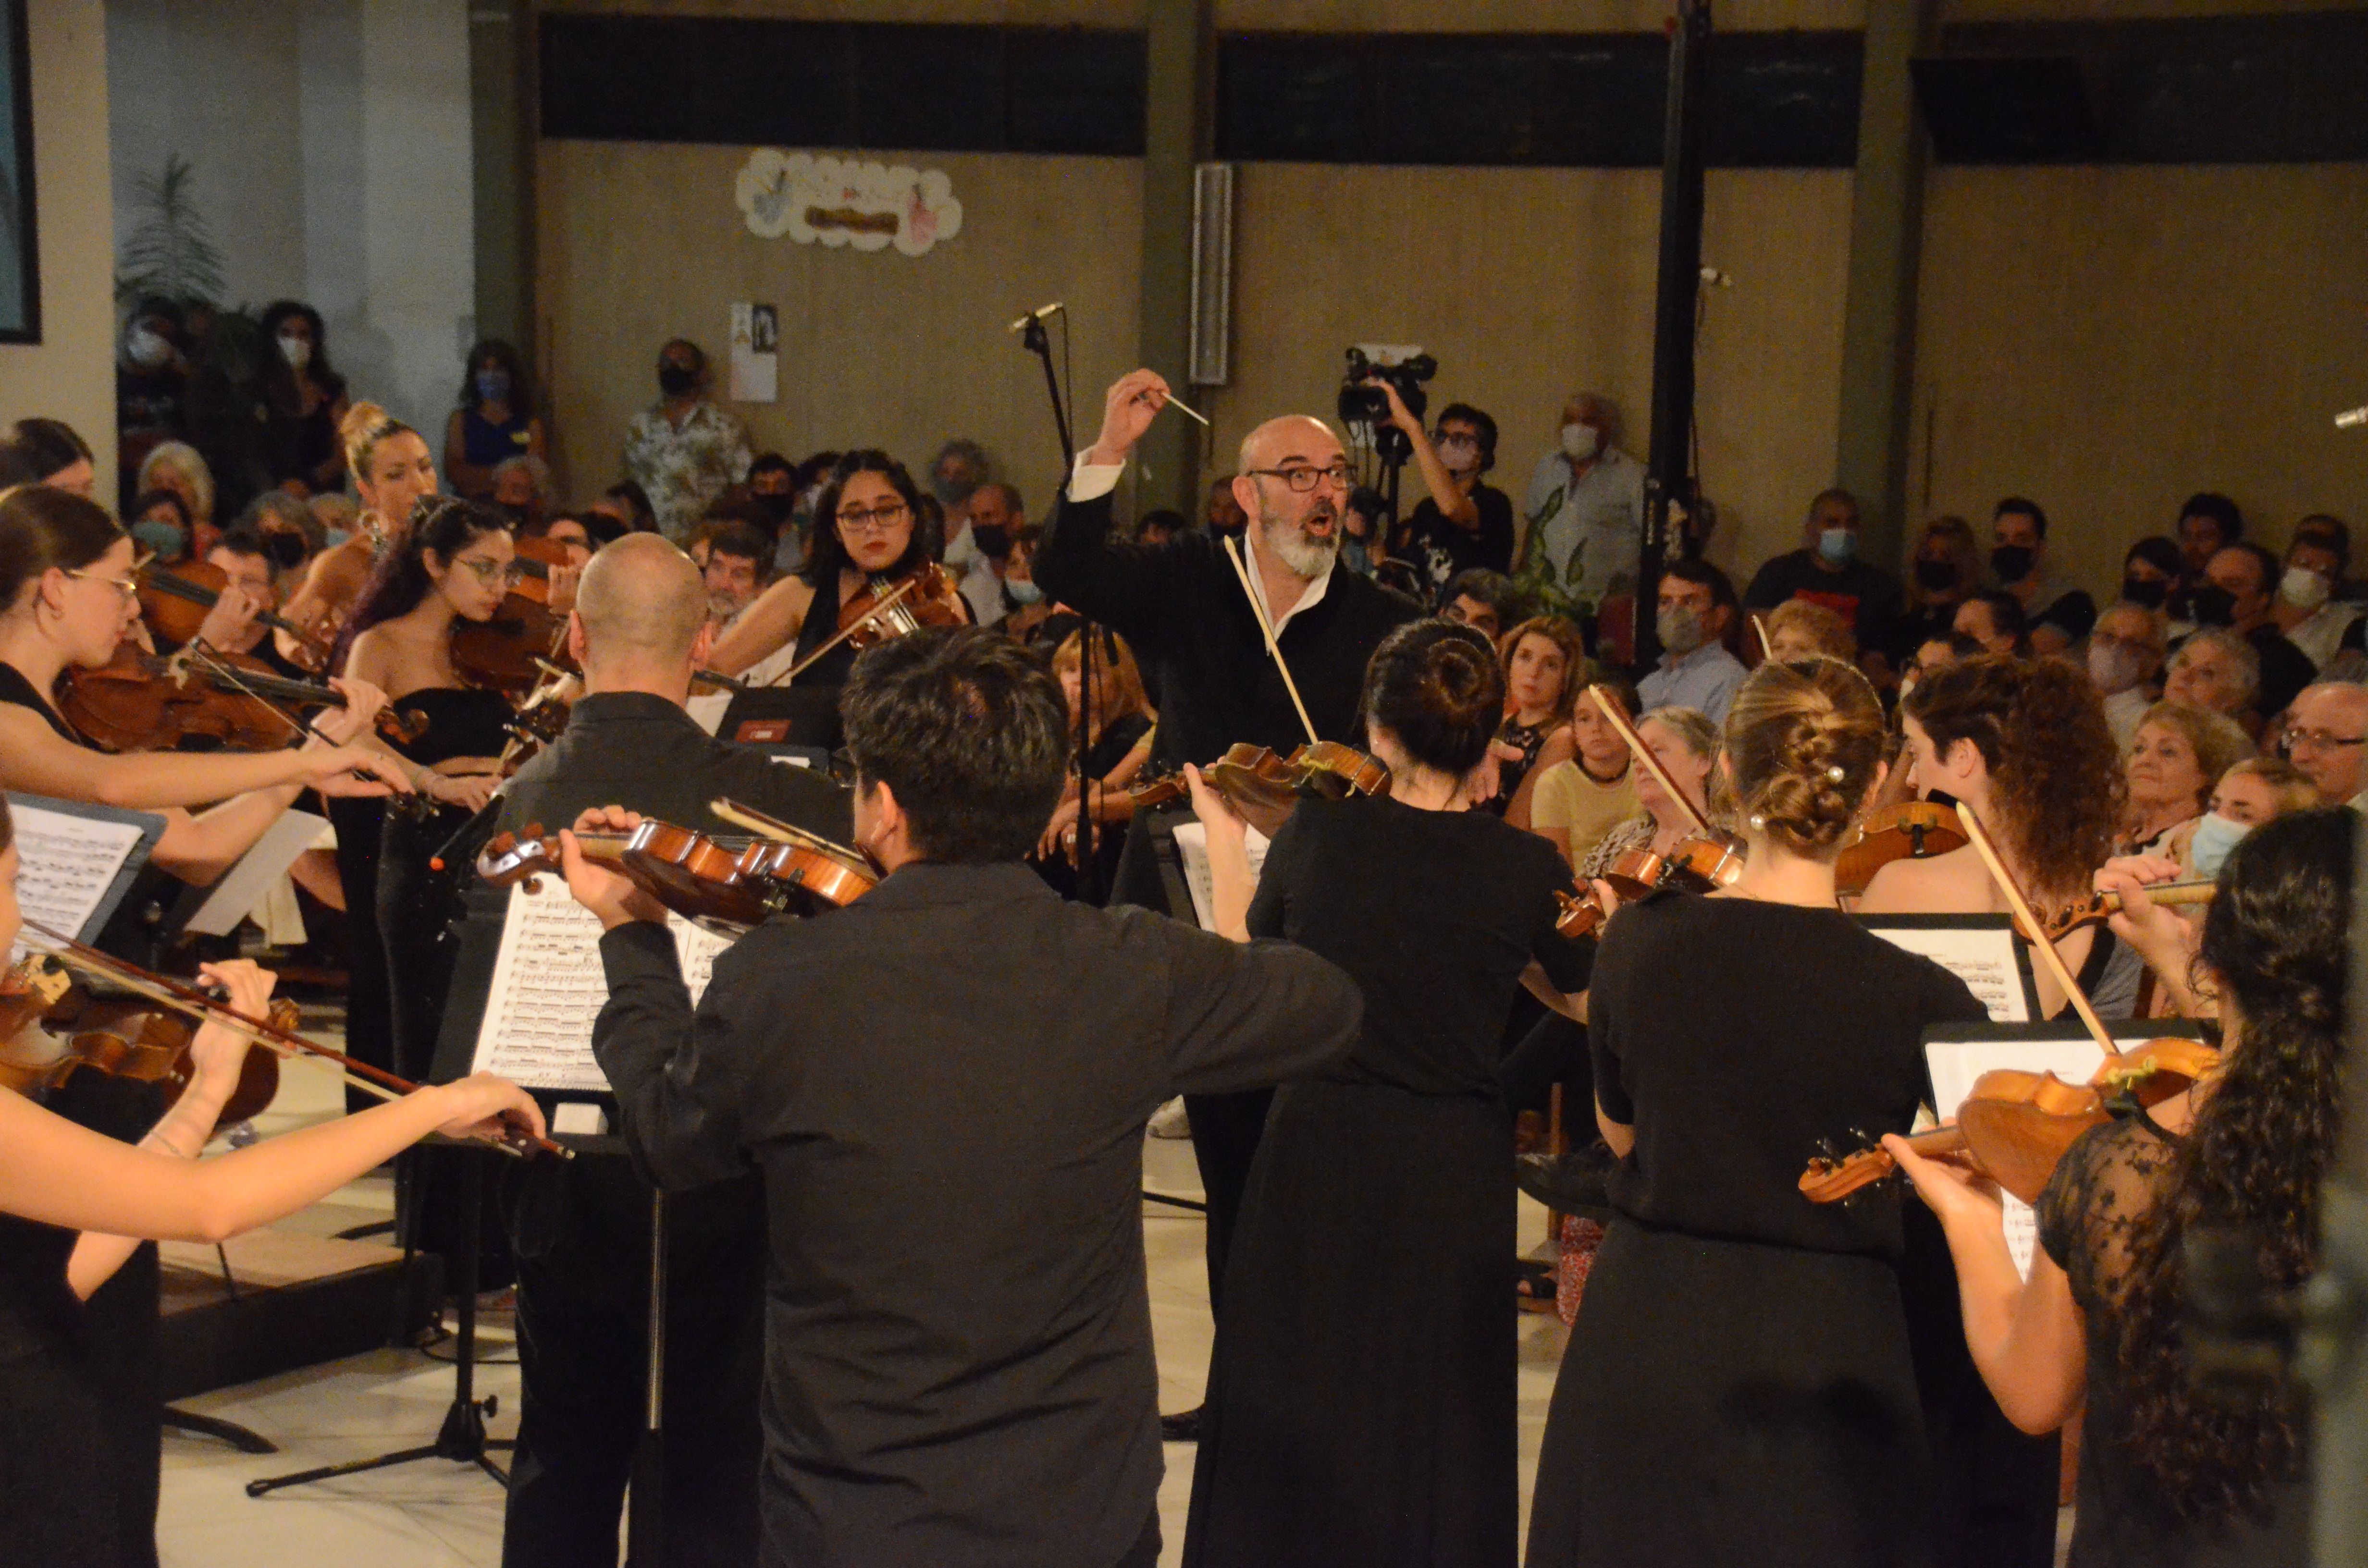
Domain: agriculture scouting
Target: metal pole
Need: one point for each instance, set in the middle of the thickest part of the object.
(1669, 463)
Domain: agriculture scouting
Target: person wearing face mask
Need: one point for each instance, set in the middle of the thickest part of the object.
(2239, 592)
(2125, 654)
(2307, 613)
(2154, 575)
(2257, 790)
(1464, 522)
(1584, 514)
(683, 450)
(1827, 570)
(2056, 617)
(1697, 605)
(1947, 567)
(159, 525)
(493, 421)
(773, 487)
(181, 468)
(151, 387)
(993, 517)
(301, 402)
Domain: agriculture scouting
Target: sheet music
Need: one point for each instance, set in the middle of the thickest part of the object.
(65, 865)
(548, 988)
(1192, 844)
(1983, 957)
(256, 871)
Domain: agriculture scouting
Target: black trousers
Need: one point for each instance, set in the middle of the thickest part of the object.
(1552, 1051)
(582, 1234)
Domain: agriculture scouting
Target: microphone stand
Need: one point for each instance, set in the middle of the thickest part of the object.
(1039, 342)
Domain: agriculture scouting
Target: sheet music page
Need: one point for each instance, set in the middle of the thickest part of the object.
(1983, 958)
(548, 988)
(1192, 843)
(65, 864)
(244, 885)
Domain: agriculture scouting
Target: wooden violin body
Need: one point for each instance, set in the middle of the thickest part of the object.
(1263, 788)
(54, 1029)
(137, 701)
(887, 608)
(724, 886)
(174, 602)
(1702, 863)
(511, 652)
(1912, 830)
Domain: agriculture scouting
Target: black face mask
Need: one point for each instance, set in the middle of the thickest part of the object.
(1934, 575)
(675, 380)
(2213, 605)
(2012, 562)
(2148, 591)
(286, 549)
(778, 507)
(993, 541)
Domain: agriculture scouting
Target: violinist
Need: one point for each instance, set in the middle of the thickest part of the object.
(66, 581)
(393, 473)
(2172, 1475)
(1117, 727)
(81, 1471)
(1739, 1387)
(1362, 1437)
(1685, 742)
(874, 536)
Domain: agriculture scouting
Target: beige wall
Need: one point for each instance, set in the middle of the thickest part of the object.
(70, 374)
(2108, 340)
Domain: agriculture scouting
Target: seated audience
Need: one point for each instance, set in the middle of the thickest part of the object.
(159, 524)
(738, 566)
(1545, 666)
(1574, 804)
(1021, 606)
(1162, 523)
(2325, 731)
(1801, 628)
(995, 513)
(2055, 614)
(1483, 600)
(2179, 752)
(2125, 654)
(300, 402)
(2208, 524)
(1696, 612)
(1364, 530)
(1225, 515)
(1938, 653)
(1685, 742)
(572, 534)
(176, 466)
(2311, 611)
(683, 450)
(2217, 671)
(2154, 573)
(2256, 791)
(1827, 570)
(1585, 511)
(1993, 617)
(2240, 591)
(629, 505)
(773, 487)
(493, 422)
(523, 489)
(1947, 567)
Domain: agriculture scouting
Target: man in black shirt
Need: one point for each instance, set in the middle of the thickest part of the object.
(1827, 570)
(944, 1085)
(2240, 592)
(1464, 522)
(580, 1228)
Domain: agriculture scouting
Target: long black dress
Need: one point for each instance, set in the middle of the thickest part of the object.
(2100, 1188)
(1360, 1404)
(1110, 748)
(1738, 1386)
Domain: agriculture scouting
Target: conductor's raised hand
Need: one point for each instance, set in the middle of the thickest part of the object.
(1133, 401)
(610, 896)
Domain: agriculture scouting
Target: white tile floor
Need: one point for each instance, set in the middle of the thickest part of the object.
(436, 1514)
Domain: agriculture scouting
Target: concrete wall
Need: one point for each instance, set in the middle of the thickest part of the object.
(70, 374)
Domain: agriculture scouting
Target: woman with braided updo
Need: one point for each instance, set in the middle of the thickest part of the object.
(1739, 1387)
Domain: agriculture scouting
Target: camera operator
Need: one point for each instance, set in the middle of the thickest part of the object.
(1462, 523)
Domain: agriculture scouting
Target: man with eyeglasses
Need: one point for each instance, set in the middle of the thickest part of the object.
(1182, 607)
(2326, 730)
(1464, 523)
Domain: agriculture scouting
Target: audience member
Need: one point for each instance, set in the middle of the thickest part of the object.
(2239, 592)
(151, 387)
(1584, 514)
(683, 450)
(523, 491)
(300, 402)
(629, 505)
(1226, 516)
(1947, 567)
(1483, 600)
(955, 473)
(1364, 531)
(2257, 790)
(2125, 654)
(773, 485)
(2055, 615)
(569, 532)
(1576, 805)
(2325, 728)
(2216, 671)
(739, 564)
(493, 421)
(1464, 522)
(1696, 611)
(1827, 570)
(2154, 573)
(1993, 617)
(179, 467)
(2179, 752)
(1022, 609)
(1164, 523)
(158, 521)
(2208, 524)
(1802, 628)
(1939, 652)
(2311, 612)
(995, 517)
(1545, 666)
(56, 455)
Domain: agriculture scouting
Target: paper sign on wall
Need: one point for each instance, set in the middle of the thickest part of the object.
(755, 352)
(839, 201)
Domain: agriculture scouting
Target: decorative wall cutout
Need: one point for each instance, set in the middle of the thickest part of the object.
(839, 201)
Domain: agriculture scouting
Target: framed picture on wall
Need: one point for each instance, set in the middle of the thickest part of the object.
(20, 257)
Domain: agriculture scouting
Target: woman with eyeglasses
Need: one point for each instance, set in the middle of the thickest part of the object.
(867, 527)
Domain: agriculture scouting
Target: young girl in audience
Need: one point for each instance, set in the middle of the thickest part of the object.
(1574, 804)
(2171, 1473)
(1739, 1387)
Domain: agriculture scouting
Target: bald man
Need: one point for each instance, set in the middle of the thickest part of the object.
(2326, 730)
(581, 1229)
(1183, 608)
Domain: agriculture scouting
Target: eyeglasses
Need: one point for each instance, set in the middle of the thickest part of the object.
(2317, 739)
(490, 572)
(1303, 480)
(129, 588)
(879, 520)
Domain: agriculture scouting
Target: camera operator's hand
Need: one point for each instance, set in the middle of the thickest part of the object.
(1453, 502)
(1133, 401)
(1398, 415)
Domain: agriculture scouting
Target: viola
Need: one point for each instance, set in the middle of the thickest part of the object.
(1582, 912)
(721, 885)
(138, 701)
(512, 651)
(1911, 830)
(174, 602)
(888, 608)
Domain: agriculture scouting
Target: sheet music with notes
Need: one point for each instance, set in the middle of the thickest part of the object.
(69, 862)
(1192, 844)
(549, 987)
(1977, 949)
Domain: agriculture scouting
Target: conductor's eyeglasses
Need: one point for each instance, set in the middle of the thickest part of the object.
(1303, 480)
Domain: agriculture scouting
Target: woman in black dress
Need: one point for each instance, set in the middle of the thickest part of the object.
(303, 401)
(1738, 1386)
(1116, 728)
(2173, 1476)
(1382, 1432)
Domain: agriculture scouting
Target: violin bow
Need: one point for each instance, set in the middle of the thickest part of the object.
(222, 674)
(772, 827)
(1766, 649)
(844, 632)
(1980, 838)
(190, 999)
(1610, 708)
(1258, 609)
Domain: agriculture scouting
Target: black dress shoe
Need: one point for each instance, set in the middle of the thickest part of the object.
(1184, 1426)
(1568, 1184)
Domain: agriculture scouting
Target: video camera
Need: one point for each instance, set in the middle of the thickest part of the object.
(1405, 369)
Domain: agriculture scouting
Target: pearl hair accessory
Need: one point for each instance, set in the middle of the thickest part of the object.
(1835, 773)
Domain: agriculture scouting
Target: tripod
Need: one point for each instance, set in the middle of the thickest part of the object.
(462, 1438)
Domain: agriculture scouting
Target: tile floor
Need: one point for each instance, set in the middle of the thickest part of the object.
(436, 1514)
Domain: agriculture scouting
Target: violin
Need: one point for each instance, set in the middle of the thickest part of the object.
(511, 650)
(138, 701)
(534, 562)
(715, 883)
(1263, 788)
(138, 1042)
(888, 608)
(281, 1039)
(1911, 830)
(174, 602)
(2101, 907)
(1707, 859)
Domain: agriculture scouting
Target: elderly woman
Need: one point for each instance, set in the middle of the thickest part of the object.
(178, 467)
(522, 487)
(1799, 629)
(2217, 671)
(1685, 742)
(2181, 752)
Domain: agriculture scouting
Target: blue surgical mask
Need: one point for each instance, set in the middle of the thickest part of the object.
(493, 386)
(2215, 836)
(162, 539)
(1838, 545)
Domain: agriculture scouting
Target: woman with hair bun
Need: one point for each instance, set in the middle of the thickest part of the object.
(393, 473)
(1385, 1434)
(1739, 1387)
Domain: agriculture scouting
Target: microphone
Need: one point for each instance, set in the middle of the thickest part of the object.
(2352, 418)
(1036, 315)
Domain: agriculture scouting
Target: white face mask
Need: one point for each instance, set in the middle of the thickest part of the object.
(1580, 443)
(1460, 455)
(2214, 839)
(297, 351)
(147, 348)
(2304, 588)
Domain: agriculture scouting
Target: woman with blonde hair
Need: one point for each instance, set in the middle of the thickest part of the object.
(1115, 730)
(2179, 754)
(393, 472)
(1802, 628)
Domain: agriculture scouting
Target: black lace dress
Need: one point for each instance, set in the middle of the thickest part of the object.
(2086, 1215)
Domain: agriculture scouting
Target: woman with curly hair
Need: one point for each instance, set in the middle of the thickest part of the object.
(2170, 1476)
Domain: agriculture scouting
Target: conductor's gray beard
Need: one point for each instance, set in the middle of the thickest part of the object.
(1307, 556)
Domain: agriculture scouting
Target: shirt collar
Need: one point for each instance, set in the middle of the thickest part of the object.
(1258, 585)
(601, 707)
(1705, 655)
